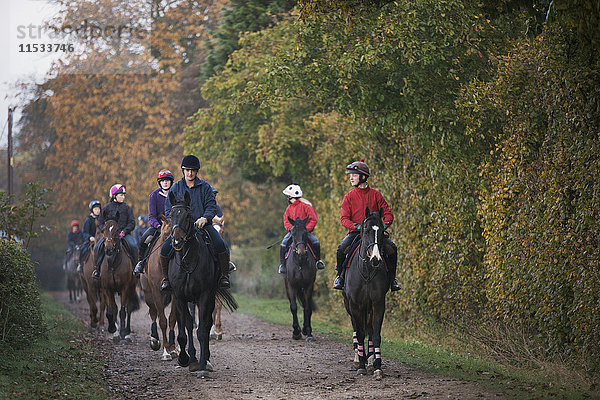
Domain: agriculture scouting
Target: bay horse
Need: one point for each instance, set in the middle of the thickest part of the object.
(73, 279)
(156, 301)
(299, 278)
(194, 278)
(116, 277)
(91, 286)
(365, 287)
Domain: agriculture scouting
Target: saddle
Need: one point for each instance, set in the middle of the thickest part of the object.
(128, 251)
(203, 236)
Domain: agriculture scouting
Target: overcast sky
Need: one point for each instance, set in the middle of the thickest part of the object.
(20, 27)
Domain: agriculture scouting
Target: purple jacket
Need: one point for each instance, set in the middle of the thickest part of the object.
(156, 207)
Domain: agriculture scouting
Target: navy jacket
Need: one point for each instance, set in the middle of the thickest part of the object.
(126, 221)
(89, 227)
(74, 239)
(203, 203)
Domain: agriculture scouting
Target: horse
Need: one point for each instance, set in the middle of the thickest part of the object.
(194, 278)
(299, 278)
(116, 277)
(91, 286)
(156, 301)
(73, 279)
(365, 287)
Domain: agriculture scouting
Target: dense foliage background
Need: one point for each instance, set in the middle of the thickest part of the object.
(479, 120)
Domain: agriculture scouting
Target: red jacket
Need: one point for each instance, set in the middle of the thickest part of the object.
(301, 210)
(355, 203)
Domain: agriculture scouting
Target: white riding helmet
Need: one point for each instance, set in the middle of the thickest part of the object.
(293, 190)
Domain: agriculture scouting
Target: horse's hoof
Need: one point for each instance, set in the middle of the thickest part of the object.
(166, 357)
(209, 366)
(116, 337)
(378, 374)
(310, 339)
(123, 342)
(355, 364)
(111, 329)
(361, 371)
(296, 336)
(194, 366)
(129, 338)
(154, 343)
(183, 362)
(204, 374)
(219, 336)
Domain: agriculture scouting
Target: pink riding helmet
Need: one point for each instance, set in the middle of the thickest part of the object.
(116, 189)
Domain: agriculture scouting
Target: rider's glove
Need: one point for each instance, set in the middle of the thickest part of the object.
(357, 227)
(121, 234)
(200, 222)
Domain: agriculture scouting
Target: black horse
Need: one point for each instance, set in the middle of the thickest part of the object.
(73, 277)
(365, 287)
(194, 278)
(300, 277)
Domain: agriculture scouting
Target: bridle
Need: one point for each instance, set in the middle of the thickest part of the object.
(114, 249)
(370, 254)
(186, 227)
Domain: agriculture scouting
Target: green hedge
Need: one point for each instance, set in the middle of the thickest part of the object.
(20, 313)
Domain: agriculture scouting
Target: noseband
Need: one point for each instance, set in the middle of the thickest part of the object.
(189, 233)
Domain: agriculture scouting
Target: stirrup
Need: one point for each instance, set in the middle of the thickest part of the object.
(224, 282)
(96, 274)
(338, 283)
(394, 287)
(320, 264)
(165, 285)
(282, 269)
(139, 268)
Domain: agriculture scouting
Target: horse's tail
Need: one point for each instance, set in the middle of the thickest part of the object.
(227, 299)
(166, 299)
(302, 299)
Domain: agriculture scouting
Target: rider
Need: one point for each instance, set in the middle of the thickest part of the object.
(89, 228)
(126, 223)
(156, 208)
(139, 230)
(74, 238)
(204, 208)
(352, 214)
(301, 208)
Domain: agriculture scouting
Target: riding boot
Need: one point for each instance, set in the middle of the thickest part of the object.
(165, 285)
(99, 259)
(282, 269)
(223, 260)
(394, 286)
(139, 267)
(339, 279)
(317, 249)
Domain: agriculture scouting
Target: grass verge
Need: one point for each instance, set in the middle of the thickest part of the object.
(428, 353)
(65, 364)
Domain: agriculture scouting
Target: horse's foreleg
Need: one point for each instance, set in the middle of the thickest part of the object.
(308, 302)
(217, 319)
(378, 313)
(291, 293)
(111, 311)
(172, 321)
(181, 310)
(204, 324)
(359, 328)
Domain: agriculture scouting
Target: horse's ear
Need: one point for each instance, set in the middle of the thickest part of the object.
(305, 220)
(187, 198)
(163, 218)
(367, 212)
(291, 220)
(172, 198)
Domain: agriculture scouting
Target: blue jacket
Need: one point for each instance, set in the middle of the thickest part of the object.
(89, 227)
(203, 203)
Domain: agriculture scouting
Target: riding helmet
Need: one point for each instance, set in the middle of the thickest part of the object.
(74, 223)
(190, 162)
(293, 190)
(94, 203)
(358, 167)
(116, 189)
(143, 218)
(164, 174)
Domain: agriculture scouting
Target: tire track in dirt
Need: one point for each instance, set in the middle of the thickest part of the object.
(258, 360)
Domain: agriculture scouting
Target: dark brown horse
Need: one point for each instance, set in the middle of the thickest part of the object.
(300, 278)
(116, 277)
(156, 301)
(365, 287)
(92, 286)
(195, 279)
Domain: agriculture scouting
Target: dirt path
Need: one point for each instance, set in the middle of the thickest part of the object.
(257, 360)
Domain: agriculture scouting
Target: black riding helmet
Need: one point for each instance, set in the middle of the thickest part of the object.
(190, 162)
